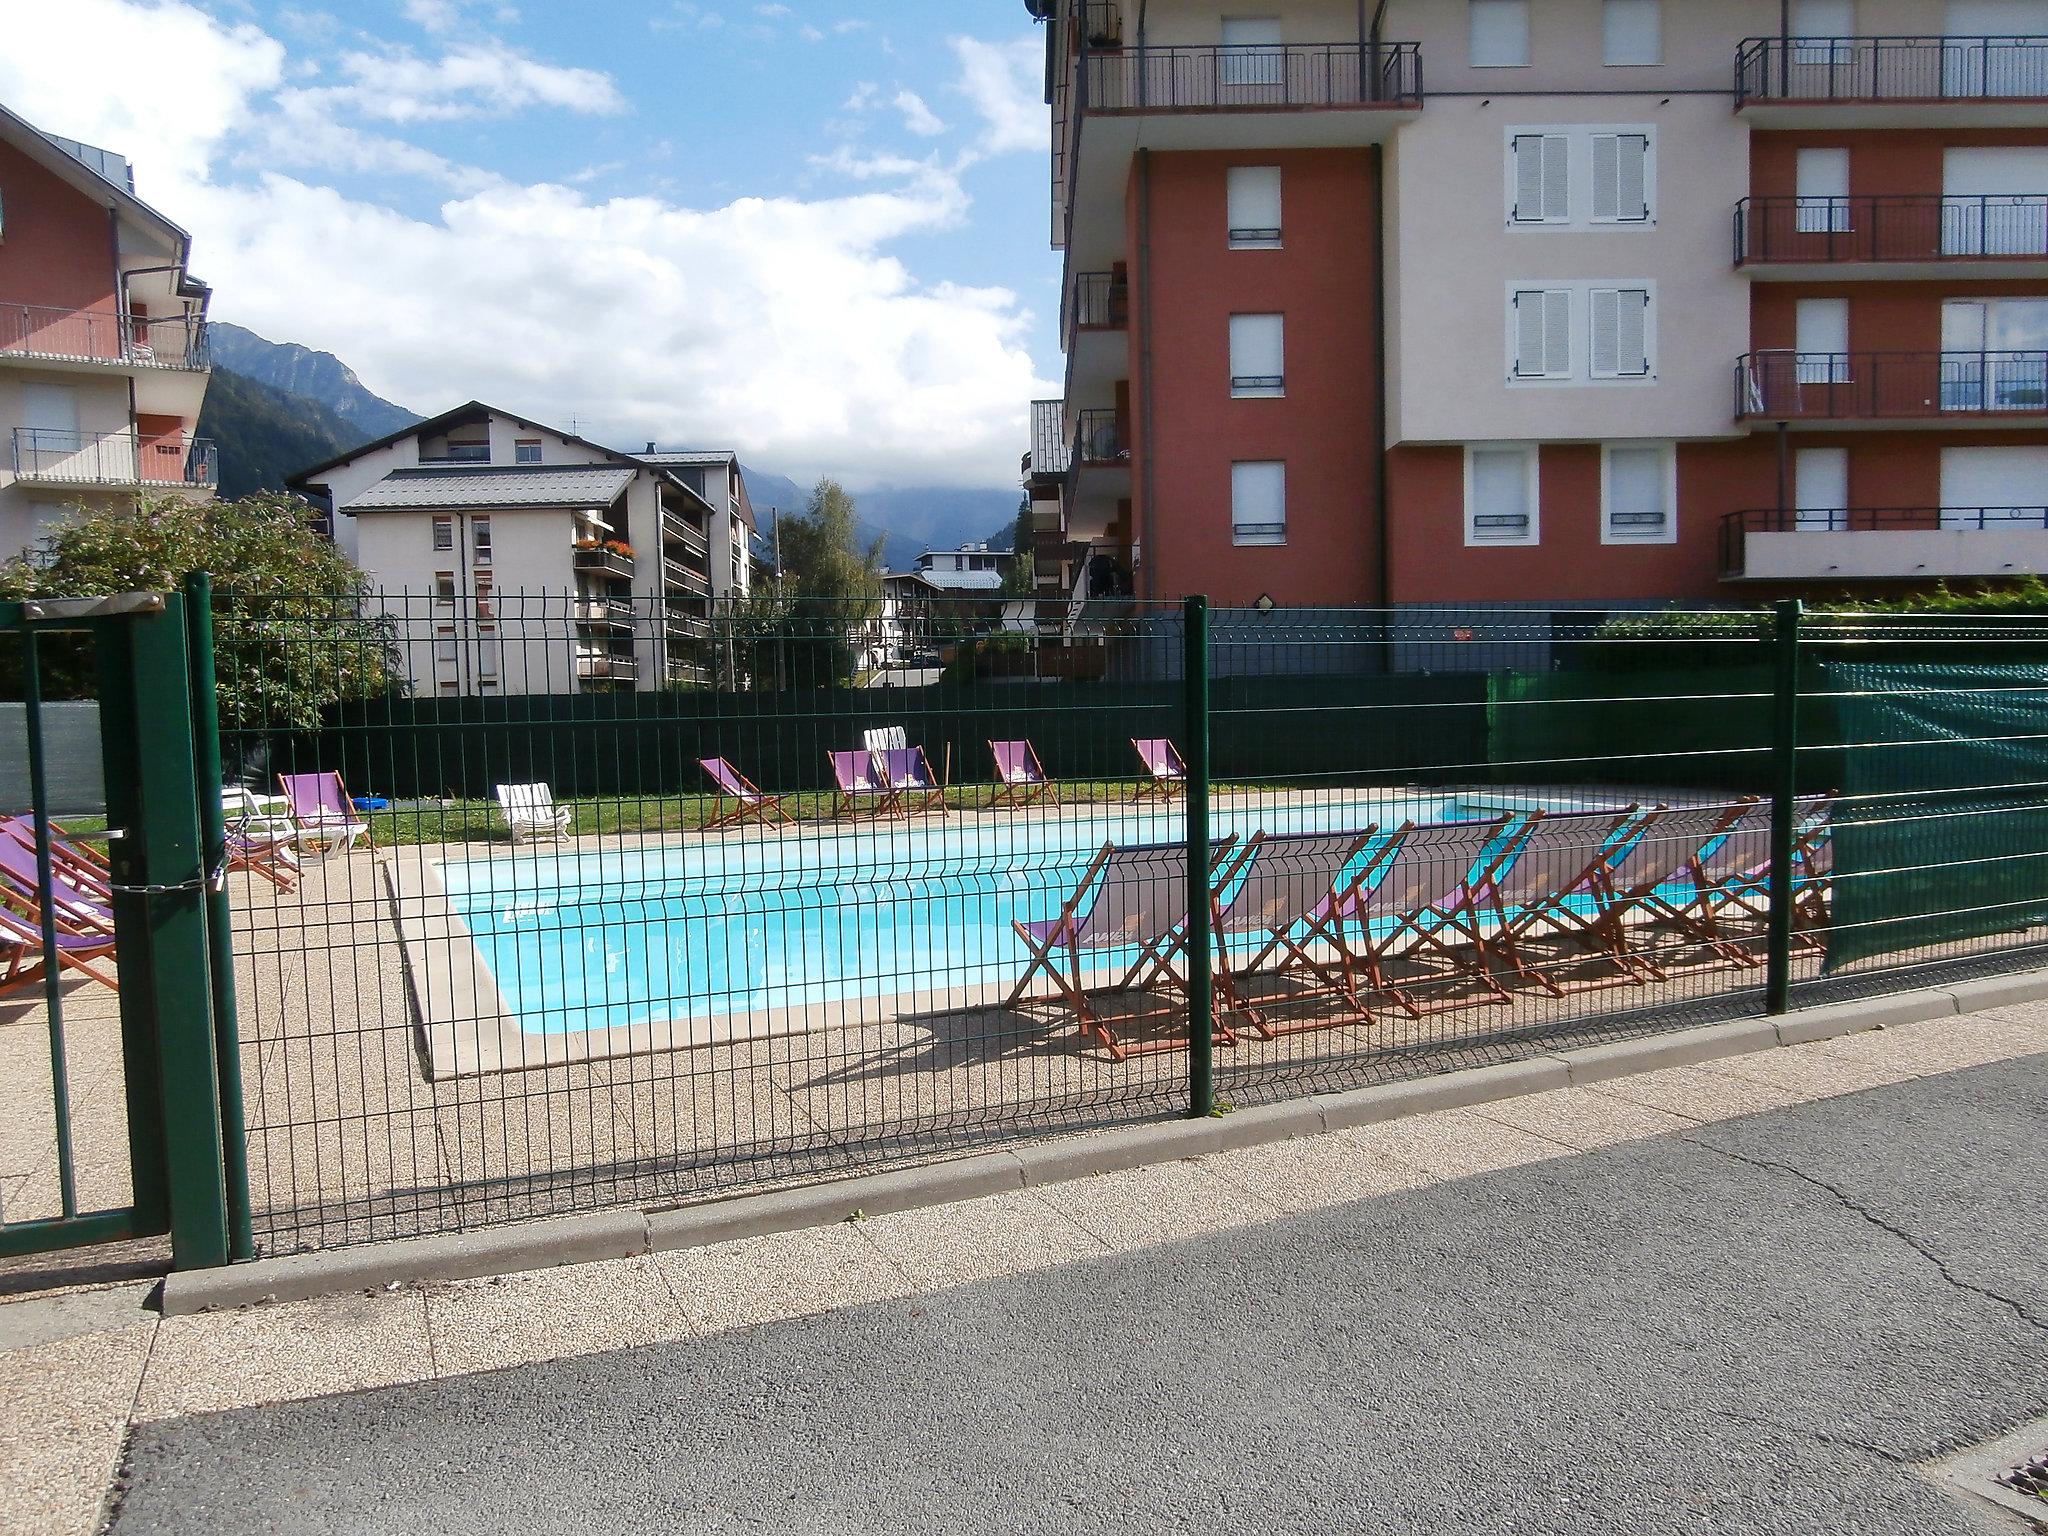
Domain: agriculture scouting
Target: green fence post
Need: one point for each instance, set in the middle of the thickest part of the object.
(163, 863)
(1195, 729)
(220, 934)
(1784, 802)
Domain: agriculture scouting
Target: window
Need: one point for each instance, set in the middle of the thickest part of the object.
(1997, 201)
(444, 654)
(470, 452)
(1541, 178)
(1258, 503)
(1621, 178)
(1500, 33)
(1821, 335)
(1821, 182)
(1500, 493)
(1540, 334)
(487, 662)
(526, 450)
(1618, 322)
(1252, 54)
(480, 539)
(444, 533)
(444, 586)
(1638, 493)
(485, 613)
(1632, 32)
(1581, 176)
(450, 686)
(1258, 368)
(1816, 25)
(1254, 206)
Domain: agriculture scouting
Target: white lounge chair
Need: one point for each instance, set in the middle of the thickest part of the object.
(530, 811)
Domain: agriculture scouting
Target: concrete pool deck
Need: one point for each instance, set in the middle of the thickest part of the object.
(76, 1373)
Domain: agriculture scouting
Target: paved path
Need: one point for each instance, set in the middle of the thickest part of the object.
(1753, 1326)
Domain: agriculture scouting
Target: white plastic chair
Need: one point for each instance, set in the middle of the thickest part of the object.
(530, 811)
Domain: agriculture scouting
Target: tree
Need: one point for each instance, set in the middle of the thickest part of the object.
(291, 636)
(1020, 580)
(833, 587)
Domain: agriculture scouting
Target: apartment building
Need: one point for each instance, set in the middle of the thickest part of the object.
(103, 360)
(716, 477)
(518, 558)
(1632, 300)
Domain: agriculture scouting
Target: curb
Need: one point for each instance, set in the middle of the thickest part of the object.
(628, 1234)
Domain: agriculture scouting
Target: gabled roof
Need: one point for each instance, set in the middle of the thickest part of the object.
(688, 458)
(502, 485)
(468, 411)
(67, 167)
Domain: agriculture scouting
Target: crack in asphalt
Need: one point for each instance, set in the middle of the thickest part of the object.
(1850, 1203)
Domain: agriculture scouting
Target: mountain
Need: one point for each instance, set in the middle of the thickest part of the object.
(908, 521)
(317, 376)
(265, 434)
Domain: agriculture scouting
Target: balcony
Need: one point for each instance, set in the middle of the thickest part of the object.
(1850, 389)
(1099, 476)
(1098, 347)
(1884, 544)
(688, 626)
(1893, 237)
(83, 337)
(678, 530)
(1049, 454)
(606, 667)
(1241, 97)
(113, 459)
(613, 560)
(1892, 82)
(690, 579)
(605, 613)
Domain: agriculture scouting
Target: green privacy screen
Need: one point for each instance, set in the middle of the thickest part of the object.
(1941, 835)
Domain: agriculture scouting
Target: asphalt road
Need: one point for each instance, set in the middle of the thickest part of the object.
(1756, 1328)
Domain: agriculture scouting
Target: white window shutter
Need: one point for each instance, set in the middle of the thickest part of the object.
(1542, 178)
(1557, 333)
(1253, 194)
(1257, 355)
(1543, 333)
(1619, 328)
(1498, 509)
(1258, 502)
(1633, 32)
(1637, 495)
(1621, 178)
(1499, 33)
(1607, 203)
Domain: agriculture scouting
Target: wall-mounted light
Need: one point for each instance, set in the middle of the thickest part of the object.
(1265, 603)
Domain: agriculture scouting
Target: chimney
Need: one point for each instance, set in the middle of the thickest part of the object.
(650, 447)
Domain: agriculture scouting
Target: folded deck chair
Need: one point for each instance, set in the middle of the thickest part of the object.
(530, 811)
(1552, 883)
(909, 776)
(1813, 860)
(1657, 857)
(1285, 898)
(755, 803)
(1132, 897)
(1422, 898)
(858, 789)
(1019, 777)
(76, 951)
(326, 817)
(1165, 774)
(1730, 874)
(82, 906)
(77, 861)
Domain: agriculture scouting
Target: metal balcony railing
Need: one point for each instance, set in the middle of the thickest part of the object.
(94, 336)
(1252, 77)
(615, 612)
(1736, 527)
(597, 560)
(112, 458)
(1099, 440)
(1049, 450)
(1897, 69)
(1101, 302)
(688, 578)
(1787, 230)
(1871, 386)
(678, 530)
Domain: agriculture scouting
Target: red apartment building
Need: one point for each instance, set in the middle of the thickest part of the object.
(103, 360)
(1632, 300)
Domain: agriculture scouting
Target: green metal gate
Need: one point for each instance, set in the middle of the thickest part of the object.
(152, 674)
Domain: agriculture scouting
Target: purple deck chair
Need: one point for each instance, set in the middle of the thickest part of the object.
(1165, 774)
(858, 789)
(24, 939)
(755, 803)
(81, 907)
(908, 775)
(325, 816)
(1019, 777)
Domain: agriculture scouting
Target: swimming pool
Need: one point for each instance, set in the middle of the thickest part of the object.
(579, 941)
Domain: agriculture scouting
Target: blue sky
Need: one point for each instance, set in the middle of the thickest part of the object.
(814, 232)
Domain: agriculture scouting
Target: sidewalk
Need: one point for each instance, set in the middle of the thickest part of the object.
(1813, 1290)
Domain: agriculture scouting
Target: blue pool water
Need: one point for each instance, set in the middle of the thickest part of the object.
(709, 927)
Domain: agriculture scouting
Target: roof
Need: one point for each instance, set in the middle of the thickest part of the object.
(953, 581)
(469, 410)
(52, 154)
(505, 485)
(677, 458)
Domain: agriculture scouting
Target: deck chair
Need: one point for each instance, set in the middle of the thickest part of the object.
(909, 776)
(1813, 860)
(1130, 897)
(1657, 857)
(1559, 860)
(1165, 774)
(78, 861)
(82, 906)
(259, 841)
(858, 789)
(1421, 897)
(531, 812)
(1019, 777)
(755, 803)
(884, 738)
(1731, 874)
(75, 951)
(1284, 900)
(326, 817)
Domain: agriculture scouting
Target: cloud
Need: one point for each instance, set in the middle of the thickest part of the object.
(917, 117)
(786, 327)
(474, 80)
(1005, 84)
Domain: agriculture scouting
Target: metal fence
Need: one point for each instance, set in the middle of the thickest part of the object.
(891, 888)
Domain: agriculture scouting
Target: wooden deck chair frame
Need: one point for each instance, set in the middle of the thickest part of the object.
(1512, 923)
(85, 949)
(852, 804)
(1741, 889)
(756, 804)
(911, 799)
(1017, 795)
(1155, 785)
(1336, 978)
(1615, 903)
